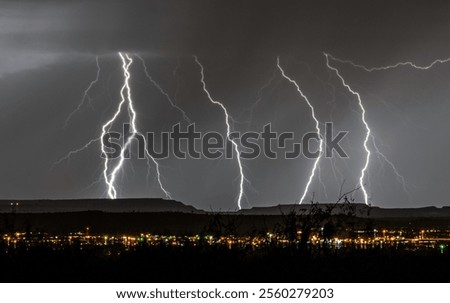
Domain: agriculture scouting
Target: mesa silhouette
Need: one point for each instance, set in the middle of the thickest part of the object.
(157, 205)
(161, 216)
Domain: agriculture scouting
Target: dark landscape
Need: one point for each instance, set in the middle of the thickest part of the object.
(155, 240)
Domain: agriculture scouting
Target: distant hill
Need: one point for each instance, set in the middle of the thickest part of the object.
(168, 206)
(104, 205)
(361, 211)
(160, 216)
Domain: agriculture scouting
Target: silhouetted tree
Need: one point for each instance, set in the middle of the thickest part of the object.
(319, 216)
(215, 226)
(328, 231)
(291, 226)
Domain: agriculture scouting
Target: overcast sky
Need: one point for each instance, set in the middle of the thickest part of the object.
(47, 59)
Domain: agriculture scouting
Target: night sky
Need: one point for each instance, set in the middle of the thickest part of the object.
(47, 59)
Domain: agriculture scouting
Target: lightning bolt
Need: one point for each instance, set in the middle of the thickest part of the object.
(161, 90)
(227, 122)
(366, 125)
(332, 103)
(110, 174)
(126, 98)
(260, 94)
(85, 94)
(313, 114)
(387, 67)
(399, 177)
(76, 151)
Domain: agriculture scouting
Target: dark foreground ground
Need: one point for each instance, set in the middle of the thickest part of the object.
(216, 264)
(42, 262)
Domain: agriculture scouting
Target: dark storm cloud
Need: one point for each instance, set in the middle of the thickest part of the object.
(226, 27)
(47, 52)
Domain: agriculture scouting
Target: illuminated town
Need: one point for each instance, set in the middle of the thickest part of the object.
(431, 239)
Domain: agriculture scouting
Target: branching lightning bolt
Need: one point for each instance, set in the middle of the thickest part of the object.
(161, 90)
(126, 98)
(110, 178)
(316, 163)
(399, 64)
(366, 125)
(410, 64)
(76, 151)
(398, 176)
(227, 122)
(85, 94)
(260, 95)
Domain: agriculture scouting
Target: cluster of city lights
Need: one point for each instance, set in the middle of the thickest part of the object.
(363, 239)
